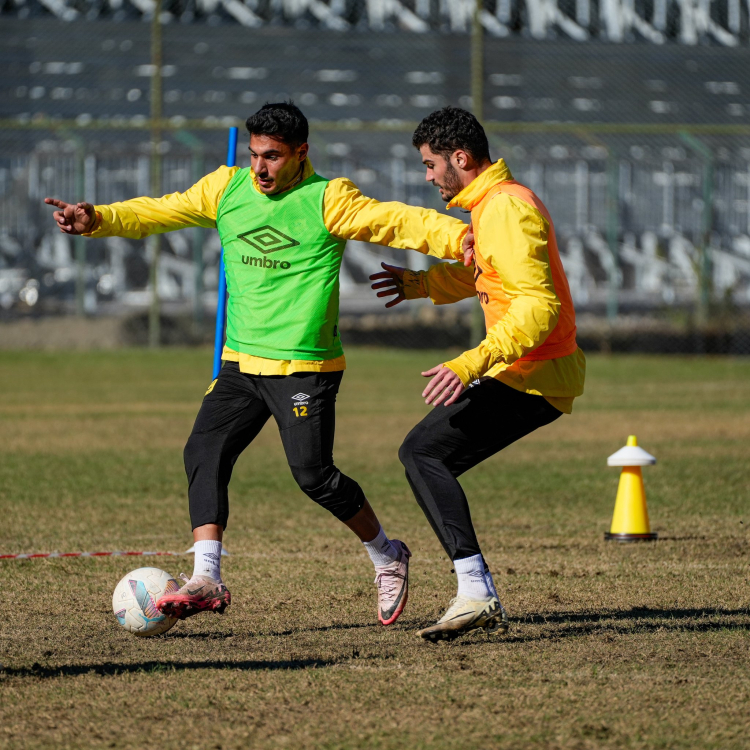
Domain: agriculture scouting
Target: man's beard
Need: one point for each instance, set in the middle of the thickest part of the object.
(293, 182)
(451, 183)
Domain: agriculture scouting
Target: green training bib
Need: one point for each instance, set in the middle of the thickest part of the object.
(282, 268)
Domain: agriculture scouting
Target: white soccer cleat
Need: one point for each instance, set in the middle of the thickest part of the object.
(465, 615)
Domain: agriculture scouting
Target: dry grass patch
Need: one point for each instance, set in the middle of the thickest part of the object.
(610, 646)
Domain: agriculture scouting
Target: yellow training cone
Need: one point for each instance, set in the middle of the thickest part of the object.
(630, 520)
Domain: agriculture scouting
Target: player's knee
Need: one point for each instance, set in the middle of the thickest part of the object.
(411, 448)
(314, 481)
(329, 488)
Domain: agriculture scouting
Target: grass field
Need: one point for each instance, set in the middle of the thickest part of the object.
(644, 646)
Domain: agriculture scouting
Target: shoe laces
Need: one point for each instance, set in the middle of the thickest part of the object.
(455, 606)
(204, 580)
(388, 583)
(451, 604)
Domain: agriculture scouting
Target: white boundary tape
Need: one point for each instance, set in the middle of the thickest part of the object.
(116, 553)
(38, 555)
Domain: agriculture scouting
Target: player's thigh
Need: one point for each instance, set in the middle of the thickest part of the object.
(486, 418)
(304, 407)
(497, 416)
(232, 409)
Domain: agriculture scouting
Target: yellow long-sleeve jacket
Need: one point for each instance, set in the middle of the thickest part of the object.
(347, 214)
(518, 265)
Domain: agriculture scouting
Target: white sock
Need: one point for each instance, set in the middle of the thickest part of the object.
(490, 582)
(471, 580)
(380, 550)
(208, 559)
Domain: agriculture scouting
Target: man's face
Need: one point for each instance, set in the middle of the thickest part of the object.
(441, 173)
(276, 164)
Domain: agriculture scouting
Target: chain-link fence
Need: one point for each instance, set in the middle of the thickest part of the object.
(641, 150)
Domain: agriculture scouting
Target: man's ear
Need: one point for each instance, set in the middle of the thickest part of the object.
(461, 159)
(302, 153)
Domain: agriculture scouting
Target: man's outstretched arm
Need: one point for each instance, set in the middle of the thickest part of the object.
(443, 283)
(139, 217)
(352, 216)
(73, 218)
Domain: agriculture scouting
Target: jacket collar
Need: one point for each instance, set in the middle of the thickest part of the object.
(307, 171)
(472, 195)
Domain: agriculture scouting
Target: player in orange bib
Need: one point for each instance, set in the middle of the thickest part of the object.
(524, 374)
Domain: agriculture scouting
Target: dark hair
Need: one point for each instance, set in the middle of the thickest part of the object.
(448, 129)
(282, 120)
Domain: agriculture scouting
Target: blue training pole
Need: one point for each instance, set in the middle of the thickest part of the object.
(221, 305)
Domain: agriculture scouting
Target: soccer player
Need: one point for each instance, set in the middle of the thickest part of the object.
(284, 229)
(525, 373)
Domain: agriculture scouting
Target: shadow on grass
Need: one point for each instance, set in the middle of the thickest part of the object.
(682, 538)
(403, 624)
(635, 621)
(632, 621)
(635, 613)
(157, 667)
(201, 635)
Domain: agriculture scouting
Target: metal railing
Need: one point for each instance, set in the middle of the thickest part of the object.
(688, 22)
(646, 172)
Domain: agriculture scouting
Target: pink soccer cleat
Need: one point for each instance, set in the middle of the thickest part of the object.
(199, 594)
(393, 585)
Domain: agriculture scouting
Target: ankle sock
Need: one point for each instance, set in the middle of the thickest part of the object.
(380, 550)
(490, 582)
(471, 578)
(208, 559)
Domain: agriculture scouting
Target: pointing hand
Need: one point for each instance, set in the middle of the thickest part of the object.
(73, 218)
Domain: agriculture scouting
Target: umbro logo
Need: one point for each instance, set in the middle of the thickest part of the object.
(267, 240)
(300, 397)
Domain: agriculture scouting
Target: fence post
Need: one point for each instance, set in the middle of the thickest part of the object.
(707, 219)
(477, 62)
(197, 233)
(705, 257)
(79, 242)
(477, 101)
(613, 229)
(154, 323)
(198, 236)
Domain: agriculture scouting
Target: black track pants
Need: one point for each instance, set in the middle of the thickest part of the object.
(452, 439)
(233, 413)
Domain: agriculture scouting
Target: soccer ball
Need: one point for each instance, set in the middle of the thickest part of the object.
(135, 597)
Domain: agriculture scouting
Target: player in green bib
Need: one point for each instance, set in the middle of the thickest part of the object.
(298, 318)
(284, 229)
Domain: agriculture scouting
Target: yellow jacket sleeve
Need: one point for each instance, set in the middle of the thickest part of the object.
(516, 247)
(352, 216)
(140, 217)
(443, 283)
